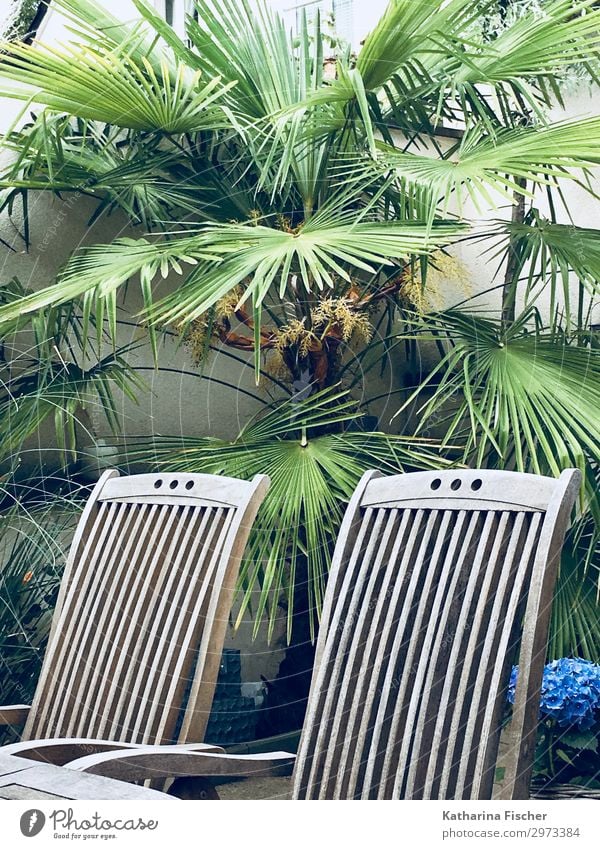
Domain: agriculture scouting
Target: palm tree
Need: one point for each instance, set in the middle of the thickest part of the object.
(300, 217)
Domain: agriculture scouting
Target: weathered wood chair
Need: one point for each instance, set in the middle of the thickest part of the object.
(141, 617)
(434, 579)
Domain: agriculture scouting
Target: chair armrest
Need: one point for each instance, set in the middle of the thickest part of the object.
(150, 762)
(14, 714)
(61, 750)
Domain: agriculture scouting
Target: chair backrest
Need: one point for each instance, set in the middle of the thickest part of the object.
(141, 618)
(430, 580)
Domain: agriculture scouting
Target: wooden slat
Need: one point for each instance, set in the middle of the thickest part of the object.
(491, 490)
(56, 665)
(397, 746)
(52, 782)
(532, 655)
(178, 489)
(62, 750)
(324, 661)
(500, 650)
(155, 762)
(342, 626)
(437, 644)
(363, 592)
(107, 570)
(111, 616)
(400, 741)
(353, 697)
(125, 631)
(130, 707)
(464, 659)
(373, 686)
(108, 609)
(14, 714)
(170, 665)
(186, 573)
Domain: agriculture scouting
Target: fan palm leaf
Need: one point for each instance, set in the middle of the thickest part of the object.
(517, 398)
(536, 44)
(324, 247)
(421, 56)
(110, 86)
(58, 393)
(547, 255)
(575, 622)
(481, 164)
(93, 24)
(318, 252)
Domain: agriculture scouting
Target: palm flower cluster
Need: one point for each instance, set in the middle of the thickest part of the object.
(570, 692)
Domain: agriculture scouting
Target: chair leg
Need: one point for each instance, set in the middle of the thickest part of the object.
(193, 788)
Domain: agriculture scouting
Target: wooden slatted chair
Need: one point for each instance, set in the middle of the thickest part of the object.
(141, 617)
(431, 579)
(434, 579)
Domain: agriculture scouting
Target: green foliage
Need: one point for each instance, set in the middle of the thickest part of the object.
(111, 87)
(48, 383)
(34, 537)
(576, 614)
(484, 163)
(523, 400)
(567, 757)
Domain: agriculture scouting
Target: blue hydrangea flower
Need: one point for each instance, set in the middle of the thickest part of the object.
(570, 692)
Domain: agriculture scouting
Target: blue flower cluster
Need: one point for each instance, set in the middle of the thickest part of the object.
(570, 692)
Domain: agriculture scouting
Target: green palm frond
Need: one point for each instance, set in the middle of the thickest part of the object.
(49, 328)
(536, 45)
(151, 182)
(251, 46)
(93, 24)
(549, 255)
(325, 247)
(58, 392)
(515, 399)
(406, 38)
(110, 86)
(98, 271)
(312, 478)
(481, 164)
(428, 61)
(575, 622)
(557, 249)
(143, 186)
